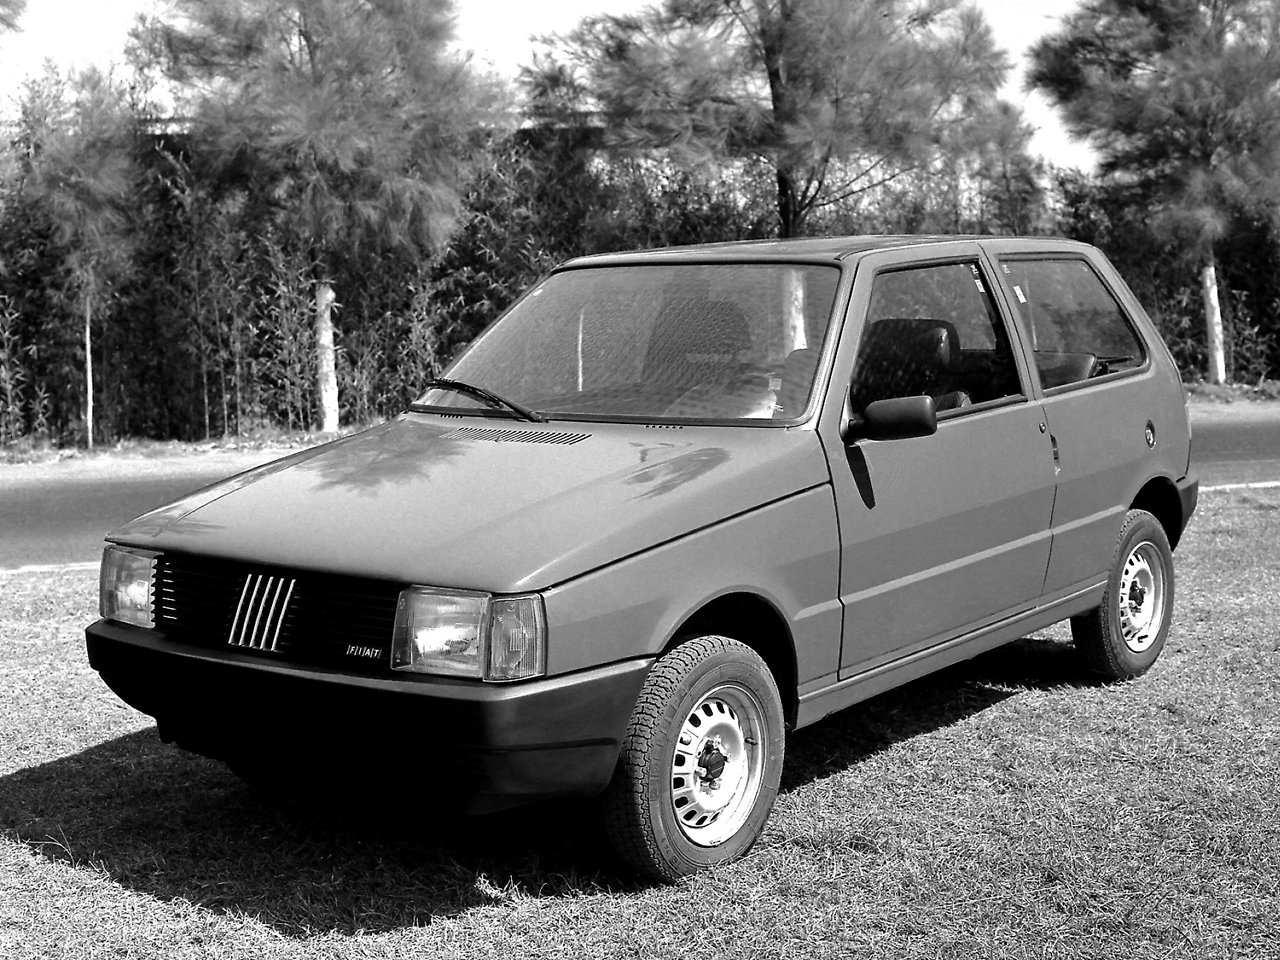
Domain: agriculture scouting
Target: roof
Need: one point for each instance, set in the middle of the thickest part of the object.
(808, 248)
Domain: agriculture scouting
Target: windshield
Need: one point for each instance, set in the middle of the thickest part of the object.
(656, 342)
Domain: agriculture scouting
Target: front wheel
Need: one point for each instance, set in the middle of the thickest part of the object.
(700, 763)
(1122, 637)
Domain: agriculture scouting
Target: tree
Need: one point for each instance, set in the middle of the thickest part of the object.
(78, 169)
(1179, 98)
(10, 13)
(348, 117)
(836, 97)
(1009, 177)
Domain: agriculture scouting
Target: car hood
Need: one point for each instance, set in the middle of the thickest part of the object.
(464, 503)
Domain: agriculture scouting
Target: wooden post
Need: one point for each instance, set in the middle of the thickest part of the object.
(326, 359)
(1213, 321)
(88, 363)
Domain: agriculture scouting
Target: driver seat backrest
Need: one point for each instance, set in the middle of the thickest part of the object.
(694, 341)
(902, 357)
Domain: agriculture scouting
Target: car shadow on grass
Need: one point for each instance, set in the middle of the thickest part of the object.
(178, 827)
(844, 739)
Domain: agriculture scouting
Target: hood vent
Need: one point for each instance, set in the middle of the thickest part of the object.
(500, 435)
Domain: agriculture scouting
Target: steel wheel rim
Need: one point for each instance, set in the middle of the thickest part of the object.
(718, 764)
(1141, 597)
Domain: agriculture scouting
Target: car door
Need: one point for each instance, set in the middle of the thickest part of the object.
(1106, 405)
(944, 534)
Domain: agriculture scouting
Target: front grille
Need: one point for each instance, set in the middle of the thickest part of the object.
(260, 614)
(294, 615)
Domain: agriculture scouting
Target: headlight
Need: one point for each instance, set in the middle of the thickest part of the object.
(464, 634)
(124, 585)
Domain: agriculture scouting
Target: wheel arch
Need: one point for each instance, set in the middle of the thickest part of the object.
(754, 621)
(1159, 497)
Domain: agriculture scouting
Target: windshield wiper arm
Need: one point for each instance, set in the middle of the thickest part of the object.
(461, 386)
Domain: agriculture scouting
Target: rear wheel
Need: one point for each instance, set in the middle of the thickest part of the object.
(700, 763)
(1123, 636)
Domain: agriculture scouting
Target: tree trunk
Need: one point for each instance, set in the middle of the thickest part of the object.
(797, 335)
(1213, 320)
(221, 357)
(203, 344)
(326, 360)
(237, 345)
(773, 40)
(788, 216)
(88, 366)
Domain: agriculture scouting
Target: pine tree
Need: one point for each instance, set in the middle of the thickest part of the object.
(837, 98)
(1179, 98)
(78, 168)
(10, 13)
(350, 113)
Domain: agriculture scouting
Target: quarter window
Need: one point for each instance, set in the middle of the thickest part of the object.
(934, 331)
(1078, 330)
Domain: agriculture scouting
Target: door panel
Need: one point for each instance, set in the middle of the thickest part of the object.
(1102, 390)
(942, 534)
(1101, 436)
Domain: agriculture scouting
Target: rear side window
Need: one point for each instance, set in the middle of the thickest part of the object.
(1078, 330)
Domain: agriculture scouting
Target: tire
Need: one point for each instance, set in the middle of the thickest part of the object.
(1122, 637)
(700, 762)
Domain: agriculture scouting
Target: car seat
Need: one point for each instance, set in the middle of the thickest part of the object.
(902, 357)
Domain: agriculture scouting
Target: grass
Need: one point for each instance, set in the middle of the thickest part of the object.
(1007, 807)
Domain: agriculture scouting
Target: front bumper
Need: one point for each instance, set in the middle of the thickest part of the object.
(481, 746)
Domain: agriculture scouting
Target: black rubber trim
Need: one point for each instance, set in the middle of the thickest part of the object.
(1189, 494)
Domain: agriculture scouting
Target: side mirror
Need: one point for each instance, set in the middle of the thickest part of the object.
(898, 418)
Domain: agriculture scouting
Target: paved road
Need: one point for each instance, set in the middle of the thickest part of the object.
(1243, 452)
(63, 520)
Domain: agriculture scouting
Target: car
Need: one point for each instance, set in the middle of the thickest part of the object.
(672, 505)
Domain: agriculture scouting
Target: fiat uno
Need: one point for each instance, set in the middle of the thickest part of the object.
(672, 505)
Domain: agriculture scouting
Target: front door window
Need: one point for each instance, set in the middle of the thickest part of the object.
(934, 331)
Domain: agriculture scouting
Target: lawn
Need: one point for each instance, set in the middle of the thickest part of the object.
(1008, 807)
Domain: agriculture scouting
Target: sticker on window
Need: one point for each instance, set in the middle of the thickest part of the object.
(1022, 297)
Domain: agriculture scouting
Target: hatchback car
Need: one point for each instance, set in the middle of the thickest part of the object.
(670, 506)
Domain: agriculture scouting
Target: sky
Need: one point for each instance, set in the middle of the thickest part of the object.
(78, 33)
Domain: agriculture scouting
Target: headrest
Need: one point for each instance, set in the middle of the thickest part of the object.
(902, 357)
(927, 342)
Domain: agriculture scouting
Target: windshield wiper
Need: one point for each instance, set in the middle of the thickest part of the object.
(488, 396)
